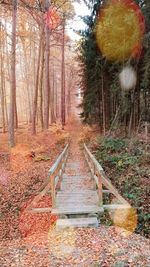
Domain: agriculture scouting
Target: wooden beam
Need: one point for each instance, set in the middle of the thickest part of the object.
(39, 210)
(38, 197)
(116, 206)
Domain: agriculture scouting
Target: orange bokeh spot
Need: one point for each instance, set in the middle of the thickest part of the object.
(119, 30)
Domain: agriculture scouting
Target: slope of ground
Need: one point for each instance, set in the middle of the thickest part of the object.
(126, 163)
(23, 170)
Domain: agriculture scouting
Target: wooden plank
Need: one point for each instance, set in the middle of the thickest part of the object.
(116, 206)
(53, 190)
(39, 210)
(38, 197)
(106, 191)
(77, 198)
(77, 192)
(85, 209)
(77, 222)
(57, 162)
(74, 178)
(56, 180)
(70, 187)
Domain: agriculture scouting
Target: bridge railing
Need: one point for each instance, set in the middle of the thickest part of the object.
(51, 183)
(56, 172)
(101, 180)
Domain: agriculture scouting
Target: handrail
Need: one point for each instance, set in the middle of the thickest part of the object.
(58, 160)
(101, 178)
(56, 172)
(54, 175)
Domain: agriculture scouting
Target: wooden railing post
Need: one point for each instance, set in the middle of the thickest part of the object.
(100, 192)
(52, 182)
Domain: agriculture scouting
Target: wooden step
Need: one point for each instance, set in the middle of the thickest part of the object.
(75, 180)
(80, 192)
(74, 202)
(76, 198)
(77, 222)
(67, 176)
(72, 187)
(78, 209)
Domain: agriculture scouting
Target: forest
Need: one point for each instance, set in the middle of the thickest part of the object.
(33, 64)
(74, 133)
(104, 101)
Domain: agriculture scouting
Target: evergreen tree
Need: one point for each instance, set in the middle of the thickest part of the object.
(104, 103)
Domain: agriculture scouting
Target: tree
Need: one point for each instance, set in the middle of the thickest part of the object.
(47, 68)
(35, 100)
(13, 78)
(63, 106)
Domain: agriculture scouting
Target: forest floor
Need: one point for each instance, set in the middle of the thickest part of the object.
(22, 171)
(127, 164)
(32, 240)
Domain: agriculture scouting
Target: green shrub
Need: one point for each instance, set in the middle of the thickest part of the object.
(113, 145)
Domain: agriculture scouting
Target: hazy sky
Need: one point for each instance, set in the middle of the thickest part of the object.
(77, 24)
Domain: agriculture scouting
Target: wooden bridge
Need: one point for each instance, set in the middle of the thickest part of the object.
(77, 196)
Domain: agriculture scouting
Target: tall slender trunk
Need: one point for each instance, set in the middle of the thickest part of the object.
(69, 93)
(2, 81)
(56, 100)
(47, 79)
(41, 85)
(63, 117)
(103, 107)
(5, 103)
(130, 129)
(13, 77)
(2, 96)
(16, 115)
(53, 117)
(35, 100)
(27, 81)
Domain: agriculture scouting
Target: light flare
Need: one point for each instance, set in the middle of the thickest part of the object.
(119, 30)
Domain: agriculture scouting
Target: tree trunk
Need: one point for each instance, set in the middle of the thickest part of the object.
(5, 104)
(69, 92)
(47, 79)
(41, 85)
(35, 100)
(63, 119)
(103, 107)
(56, 100)
(13, 77)
(27, 81)
(2, 82)
(53, 117)
(16, 115)
(2, 97)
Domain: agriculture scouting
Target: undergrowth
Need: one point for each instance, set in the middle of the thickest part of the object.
(126, 163)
